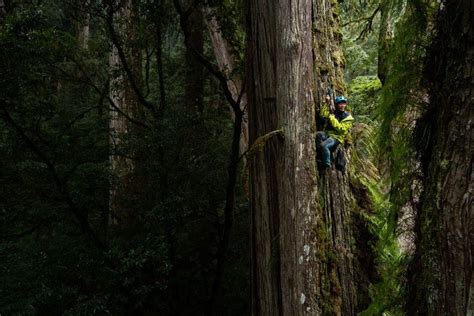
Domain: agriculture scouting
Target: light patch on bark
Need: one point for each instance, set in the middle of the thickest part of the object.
(306, 249)
(302, 298)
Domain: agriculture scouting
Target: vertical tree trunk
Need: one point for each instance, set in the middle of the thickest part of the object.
(283, 188)
(120, 165)
(123, 160)
(83, 26)
(303, 256)
(298, 209)
(442, 271)
(343, 282)
(328, 57)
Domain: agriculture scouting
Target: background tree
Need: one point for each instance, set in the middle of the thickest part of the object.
(444, 253)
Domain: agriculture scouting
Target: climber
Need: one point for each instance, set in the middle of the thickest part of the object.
(336, 129)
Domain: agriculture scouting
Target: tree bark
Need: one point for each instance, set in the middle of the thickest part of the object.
(123, 160)
(83, 26)
(328, 58)
(344, 281)
(441, 278)
(285, 266)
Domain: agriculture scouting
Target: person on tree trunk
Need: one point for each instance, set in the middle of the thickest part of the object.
(336, 130)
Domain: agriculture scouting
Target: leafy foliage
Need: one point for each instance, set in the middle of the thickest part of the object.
(364, 92)
(388, 136)
(59, 254)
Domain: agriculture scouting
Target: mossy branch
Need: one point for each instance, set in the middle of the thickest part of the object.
(260, 142)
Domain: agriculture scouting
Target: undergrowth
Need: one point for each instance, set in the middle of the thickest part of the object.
(385, 160)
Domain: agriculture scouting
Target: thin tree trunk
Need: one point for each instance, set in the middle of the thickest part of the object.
(223, 244)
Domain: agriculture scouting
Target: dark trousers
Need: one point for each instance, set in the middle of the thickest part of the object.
(325, 145)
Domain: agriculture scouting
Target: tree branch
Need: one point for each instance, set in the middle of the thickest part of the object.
(368, 26)
(61, 186)
(183, 16)
(123, 59)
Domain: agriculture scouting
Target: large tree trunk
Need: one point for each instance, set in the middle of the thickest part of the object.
(329, 60)
(442, 280)
(303, 256)
(285, 263)
(344, 283)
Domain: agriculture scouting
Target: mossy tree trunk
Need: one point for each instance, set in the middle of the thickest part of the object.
(441, 275)
(344, 282)
(304, 259)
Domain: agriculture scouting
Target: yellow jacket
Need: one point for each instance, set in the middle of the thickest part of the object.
(339, 123)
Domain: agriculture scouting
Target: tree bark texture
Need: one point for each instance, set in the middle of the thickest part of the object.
(343, 281)
(123, 160)
(328, 58)
(285, 265)
(443, 266)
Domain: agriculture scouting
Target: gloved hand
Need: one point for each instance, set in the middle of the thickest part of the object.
(324, 111)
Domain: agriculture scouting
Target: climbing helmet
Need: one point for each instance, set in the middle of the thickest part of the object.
(340, 99)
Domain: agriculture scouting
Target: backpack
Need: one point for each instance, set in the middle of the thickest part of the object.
(340, 160)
